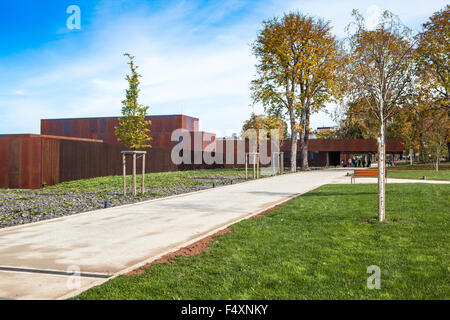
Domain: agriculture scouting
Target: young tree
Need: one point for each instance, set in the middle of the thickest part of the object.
(379, 71)
(133, 130)
(295, 72)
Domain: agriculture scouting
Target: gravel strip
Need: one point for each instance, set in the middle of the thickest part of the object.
(23, 206)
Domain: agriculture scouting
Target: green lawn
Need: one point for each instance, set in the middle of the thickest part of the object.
(417, 171)
(152, 180)
(318, 246)
(156, 179)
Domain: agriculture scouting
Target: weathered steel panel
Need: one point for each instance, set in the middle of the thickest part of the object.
(30, 163)
(82, 159)
(50, 161)
(20, 163)
(354, 145)
(4, 161)
(14, 162)
(103, 128)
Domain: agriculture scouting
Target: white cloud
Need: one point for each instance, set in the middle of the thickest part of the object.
(19, 92)
(174, 69)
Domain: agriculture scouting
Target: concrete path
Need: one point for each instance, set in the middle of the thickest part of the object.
(37, 260)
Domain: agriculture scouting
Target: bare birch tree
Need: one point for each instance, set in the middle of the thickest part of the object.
(379, 71)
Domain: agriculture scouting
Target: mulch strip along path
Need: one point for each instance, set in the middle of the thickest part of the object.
(196, 247)
(190, 250)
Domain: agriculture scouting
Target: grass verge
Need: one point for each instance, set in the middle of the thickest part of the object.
(418, 171)
(152, 180)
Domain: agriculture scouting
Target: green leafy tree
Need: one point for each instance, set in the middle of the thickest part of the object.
(133, 130)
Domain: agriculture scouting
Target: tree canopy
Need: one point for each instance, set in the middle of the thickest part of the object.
(296, 71)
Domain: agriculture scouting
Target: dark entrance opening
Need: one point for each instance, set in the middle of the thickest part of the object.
(334, 158)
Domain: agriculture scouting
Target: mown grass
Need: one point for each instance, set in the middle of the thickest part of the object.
(157, 179)
(419, 170)
(318, 246)
(152, 180)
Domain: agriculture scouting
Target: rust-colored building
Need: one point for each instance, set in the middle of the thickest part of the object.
(71, 149)
(330, 152)
(102, 128)
(325, 152)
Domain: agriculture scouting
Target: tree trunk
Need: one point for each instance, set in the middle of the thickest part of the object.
(304, 151)
(304, 137)
(293, 149)
(421, 148)
(411, 156)
(381, 173)
(290, 96)
(448, 152)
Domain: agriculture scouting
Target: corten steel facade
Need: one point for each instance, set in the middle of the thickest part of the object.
(20, 158)
(70, 149)
(102, 128)
(321, 152)
(330, 152)
(31, 161)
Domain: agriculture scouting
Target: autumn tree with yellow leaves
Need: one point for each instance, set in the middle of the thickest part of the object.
(267, 124)
(296, 72)
(423, 119)
(433, 54)
(433, 61)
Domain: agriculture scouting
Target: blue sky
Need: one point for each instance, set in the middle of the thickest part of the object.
(194, 56)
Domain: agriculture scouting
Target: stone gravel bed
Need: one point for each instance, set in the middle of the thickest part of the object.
(25, 206)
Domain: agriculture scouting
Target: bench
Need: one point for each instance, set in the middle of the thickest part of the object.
(365, 173)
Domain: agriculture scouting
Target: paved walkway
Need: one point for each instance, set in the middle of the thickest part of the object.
(36, 260)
